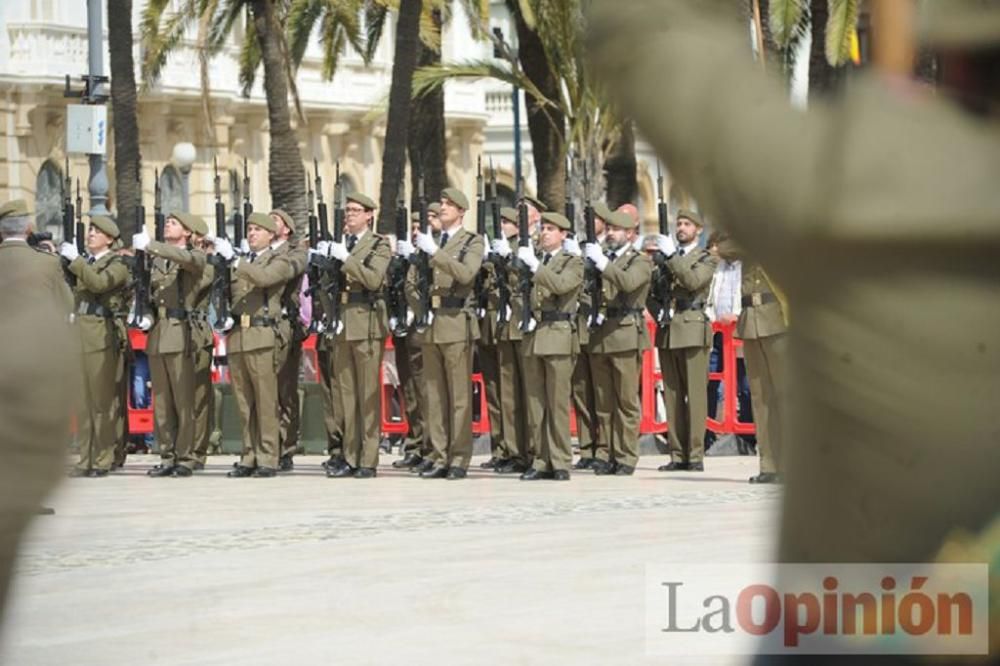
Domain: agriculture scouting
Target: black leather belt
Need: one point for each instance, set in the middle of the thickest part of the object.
(555, 315)
(94, 309)
(447, 302)
(172, 313)
(751, 300)
(246, 321)
(364, 298)
(681, 304)
(621, 313)
(198, 315)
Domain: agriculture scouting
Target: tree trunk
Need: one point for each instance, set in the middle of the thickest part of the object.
(547, 134)
(286, 175)
(620, 169)
(404, 63)
(123, 108)
(825, 81)
(428, 151)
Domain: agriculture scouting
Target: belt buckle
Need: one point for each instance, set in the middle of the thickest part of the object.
(756, 299)
(161, 312)
(244, 321)
(435, 302)
(344, 298)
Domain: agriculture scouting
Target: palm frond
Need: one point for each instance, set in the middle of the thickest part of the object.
(223, 20)
(302, 18)
(429, 78)
(160, 36)
(842, 22)
(375, 17)
(785, 20)
(249, 59)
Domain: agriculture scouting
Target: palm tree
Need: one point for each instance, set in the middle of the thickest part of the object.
(264, 45)
(123, 105)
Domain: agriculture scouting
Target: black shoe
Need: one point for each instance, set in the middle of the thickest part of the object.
(492, 463)
(765, 477)
(584, 463)
(434, 472)
(181, 470)
(98, 473)
(535, 475)
(116, 466)
(341, 472)
(265, 472)
(333, 462)
(365, 473)
(624, 470)
(560, 475)
(456, 473)
(603, 468)
(511, 467)
(424, 466)
(77, 473)
(674, 467)
(199, 466)
(285, 464)
(409, 461)
(696, 467)
(240, 472)
(161, 470)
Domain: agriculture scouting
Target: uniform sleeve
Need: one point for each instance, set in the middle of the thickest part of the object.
(695, 275)
(464, 272)
(192, 261)
(563, 282)
(99, 282)
(275, 272)
(639, 273)
(372, 275)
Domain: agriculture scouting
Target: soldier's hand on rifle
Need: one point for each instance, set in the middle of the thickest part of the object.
(594, 253)
(339, 251)
(69, 251)
(404, 248)
(145, 323)
(501, 246)
(140, 241)
(527, 255)
(666, 244)
(639, 241)
(245, 247)
(323, 248)
(571, 246)
(224, 249)
(426, 243)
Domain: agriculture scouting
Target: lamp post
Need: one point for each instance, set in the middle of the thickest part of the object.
(183, 157)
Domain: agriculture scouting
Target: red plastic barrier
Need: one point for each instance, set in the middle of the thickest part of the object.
(140, 421)
(729, 377)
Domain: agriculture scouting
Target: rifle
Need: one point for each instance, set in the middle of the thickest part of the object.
(499, 264)
(425, 277)
(69, 219)
(398, 267)
(524, 273)
(482, 294)
(593, 276)
(140, 269)
(570, 210)
(220, 281)
(336, 285)
(324, 224)
(238, 230)
(317, 231)
(660, 292)
(159, 219)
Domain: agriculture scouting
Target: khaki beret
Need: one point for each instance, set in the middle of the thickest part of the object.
(415, 217)
(285, 218)
(621, 220)
(191, 222)
(264, 221)
(539, 206)
(15, 208)
(509, 214)
(557, 219)
(690, 215)
(456, 196)
(602, 210)
(106, 225)
(362, 199)
(434, 207)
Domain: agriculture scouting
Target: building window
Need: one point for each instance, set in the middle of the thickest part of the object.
(49, 200)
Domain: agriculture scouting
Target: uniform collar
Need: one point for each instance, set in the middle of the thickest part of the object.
(97, 257)
(276, 244)
(690, 247)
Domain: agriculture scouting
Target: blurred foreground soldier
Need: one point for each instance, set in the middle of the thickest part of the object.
(888, 254)
(254, 343)
(358, 345)
(39, 378)
(684, 340)
(550, 349)
(203, 345)
(101, 302)
(616, 346)
(174, 278)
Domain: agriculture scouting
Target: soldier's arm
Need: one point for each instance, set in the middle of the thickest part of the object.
(464, 272)
(192, 261)
(278, 271)
(371, 276)
(693, 276)
(563, 282)
(639, 273)
(99, 282)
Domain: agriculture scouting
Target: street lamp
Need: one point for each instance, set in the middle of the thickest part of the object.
(183, 157)
(501, 50)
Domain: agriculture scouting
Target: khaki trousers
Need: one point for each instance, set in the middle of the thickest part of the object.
(513, 398)
(173, 406)
(99, 420)
(549, 382)
(409, 364)
(616, 392)
(447, 369)
(333, 412)
(489, 367)
(204, 403)
(584, 404)
(255, 385)
(359, 363)
(685, 383)
(765, 361)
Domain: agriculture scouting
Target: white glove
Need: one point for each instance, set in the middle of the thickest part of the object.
(501, 246)
(571, 246)
(69, 251)
(339, 251)
(426, 243)
(487, 251)
(527, 255)
(145, 323)
(639, 241)
(666, 244)
(224, 249)
(404, 248)
(244, 246)
(228, 324)
(323, 248)
(140, 241)
(594, 253)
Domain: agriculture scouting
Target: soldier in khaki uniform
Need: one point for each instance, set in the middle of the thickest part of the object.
(175, 274)
(333, 412)
(448, 340)
(293, 333)
(101, 291)
(488, 358)
(616, 346)
(515, 448)
(203, 342)
(888, 255)
(551, 348)
(360, 339)
(254, 344)
(684, 342)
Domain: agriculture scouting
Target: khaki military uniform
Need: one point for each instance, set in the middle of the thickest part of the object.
(203, 343)
(583, 383)
(290, 362)
(174, 278)
(124, 379)
(447, 348)
(684, 344)
(100, 292)
(616, 348)
(488, 355)
(550, 352)
(255, 347)
(513, 378)
(333, 411)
